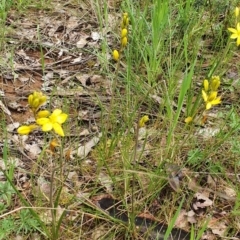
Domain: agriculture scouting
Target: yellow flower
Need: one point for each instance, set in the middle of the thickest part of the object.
(115, 55)
(25, 130)
(237, 12)
(235, 33)
(211, 99)
(188, 119)
(54, 121)
(123, 33)
(36, 100)
(143, 120)
(124, 41)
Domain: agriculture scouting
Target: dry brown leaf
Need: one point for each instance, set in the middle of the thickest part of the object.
(95, 36)
(200, 203)
(191, 217)
(33, 149)
(4, 108)
(98, 232)
(13, 126)
(83, 151)
(46, 215)
(82, 42)
(218, 226)
(208, 235)
(44, 187)
(106, 181)
(182, 220)
(208, 132)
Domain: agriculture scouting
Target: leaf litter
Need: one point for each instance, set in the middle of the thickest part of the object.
(54, 49)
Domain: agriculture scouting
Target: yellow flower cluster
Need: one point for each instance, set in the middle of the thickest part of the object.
(210, 92)
(124, 39)
(43, 118)
(236, 31)
(36, 100)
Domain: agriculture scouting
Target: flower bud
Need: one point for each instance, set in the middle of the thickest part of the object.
(30, 99)
(42, 100)
(115, 55)
(35, 103)
(237, 12)
(215, 83)
(125, 21)
(43, 114)
(124, 33)
(188, 119)
(206, 85)
(124, 41)
(143, 120)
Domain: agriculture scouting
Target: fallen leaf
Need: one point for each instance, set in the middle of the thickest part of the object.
(44, 187)
(208, 132)
(83, 151)
(200, 203)
(182, 220)
(95, 36)
(13, 126)
(4, 108)
(106, 181)
(81, 43)
(218, 227)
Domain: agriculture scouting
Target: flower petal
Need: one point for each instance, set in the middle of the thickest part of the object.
(57, 112)
(238, 27)
(208, 105)
(234, 36)
(212, 96)
(233, 30)
(24, 130)
(216, 101)
(58, 129)
(42, 121)
(47, 127)
(61, 118)
(204, 95)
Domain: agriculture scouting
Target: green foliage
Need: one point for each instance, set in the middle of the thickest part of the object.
(26, 223)
(7, 227)
(6, 192)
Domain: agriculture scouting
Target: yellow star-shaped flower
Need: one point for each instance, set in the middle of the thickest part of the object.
(211, 99)
(235, 33)
(54, 121)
